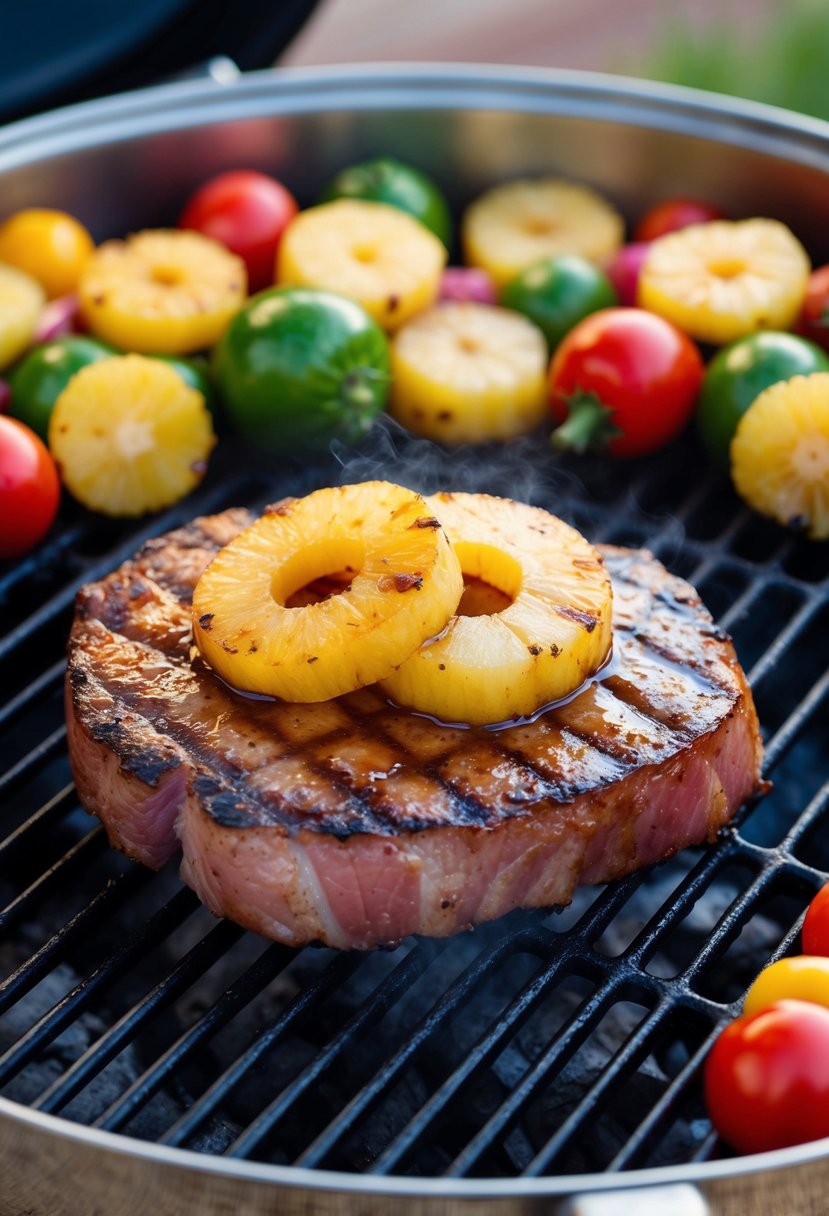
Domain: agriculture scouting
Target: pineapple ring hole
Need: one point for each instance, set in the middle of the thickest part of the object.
(491, 578)
(316, 572)
(133, 437)
(365, 254)
(810, 458)
(167, 276)
(469, 346)
(727, 268)
(539, 225)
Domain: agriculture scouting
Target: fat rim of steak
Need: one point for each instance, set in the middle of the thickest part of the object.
(354, 823)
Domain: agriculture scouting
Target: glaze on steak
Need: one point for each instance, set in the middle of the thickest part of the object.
(354, 823)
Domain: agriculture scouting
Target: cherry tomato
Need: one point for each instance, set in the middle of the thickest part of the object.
(625, 380)
(246, 211)
(29, 489)
(803, 978)
(51, 246)
(815, 932)
(767, 1078)
(673, 214)
(814, 316)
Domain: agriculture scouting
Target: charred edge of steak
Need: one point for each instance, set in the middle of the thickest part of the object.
(207, 532)
(147, 764)
(137, 754)
(233, 806)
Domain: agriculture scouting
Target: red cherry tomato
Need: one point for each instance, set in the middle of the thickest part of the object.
(814, 316)
(673, 214)
(29, 488)
(767, 1078)
(248, 212)
(815, 932)
(625, 380)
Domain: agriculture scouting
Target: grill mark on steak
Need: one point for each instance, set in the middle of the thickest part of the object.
(359, 804)
(350, 811)
(467, 808)
(362, 806)
(182, 552)
(352, 806)
(218, 773)
(620, 726)
(653, 736)
(111, 723)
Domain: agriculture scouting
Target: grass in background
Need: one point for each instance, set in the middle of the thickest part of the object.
(784, 60)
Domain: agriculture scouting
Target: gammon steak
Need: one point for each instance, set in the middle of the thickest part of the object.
(355, 823)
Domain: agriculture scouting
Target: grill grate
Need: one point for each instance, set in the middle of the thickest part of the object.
(544, 1044)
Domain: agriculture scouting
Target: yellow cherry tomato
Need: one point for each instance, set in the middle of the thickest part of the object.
(51, 246)
(804, 978)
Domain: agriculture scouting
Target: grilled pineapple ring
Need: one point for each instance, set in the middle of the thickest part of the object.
(469, 373)
(407, 583)
(722, 280)
(162, 291)
(553, 635)
(21, 299)
(514, 224)
(129, 436)
(373, 253)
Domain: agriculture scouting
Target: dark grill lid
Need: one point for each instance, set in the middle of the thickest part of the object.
(52, 53)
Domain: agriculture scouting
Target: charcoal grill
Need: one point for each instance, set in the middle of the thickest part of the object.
(152, 1059)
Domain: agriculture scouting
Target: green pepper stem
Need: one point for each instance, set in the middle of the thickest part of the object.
(588, 426)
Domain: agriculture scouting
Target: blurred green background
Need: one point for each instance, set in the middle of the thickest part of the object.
(766, 50)
(782, 60)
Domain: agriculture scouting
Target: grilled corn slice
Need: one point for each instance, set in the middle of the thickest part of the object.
(129, 436)
(21, 301)
(780, 454)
